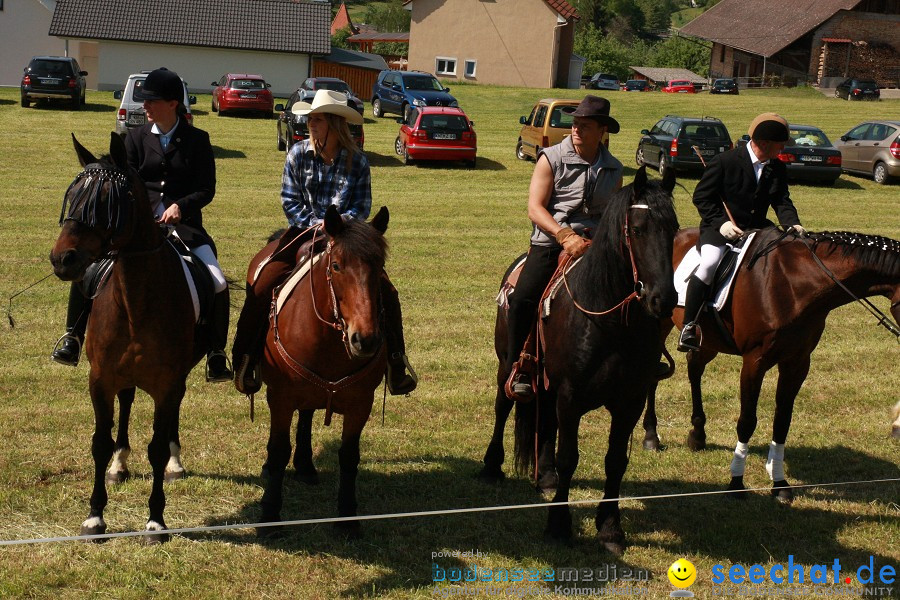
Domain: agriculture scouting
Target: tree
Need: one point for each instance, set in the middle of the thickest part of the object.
(682, 52)
(388, 18)
(339, 39)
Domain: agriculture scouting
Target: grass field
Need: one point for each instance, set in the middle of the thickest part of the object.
(452, 233)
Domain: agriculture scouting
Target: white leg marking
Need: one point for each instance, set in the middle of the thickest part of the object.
(775, 462)
(895, 426)
(94, 523)
(119, 461)
(174, 465)
(739, 462)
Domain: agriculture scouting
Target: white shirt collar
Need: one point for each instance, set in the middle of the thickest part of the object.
(758, 165)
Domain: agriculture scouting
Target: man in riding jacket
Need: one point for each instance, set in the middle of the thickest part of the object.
(734, 195)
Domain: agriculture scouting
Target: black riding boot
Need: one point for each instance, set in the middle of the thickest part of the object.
(520, 322)
(399, 382)
(68, 348)
(216, 363)
(695, 297)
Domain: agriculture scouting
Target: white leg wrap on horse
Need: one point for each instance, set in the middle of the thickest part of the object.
(739, 462)
(775, 462)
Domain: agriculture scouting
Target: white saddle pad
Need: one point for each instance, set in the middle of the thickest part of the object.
(291, 283)
(691, 261)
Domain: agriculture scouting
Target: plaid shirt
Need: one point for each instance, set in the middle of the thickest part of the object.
(309, 186)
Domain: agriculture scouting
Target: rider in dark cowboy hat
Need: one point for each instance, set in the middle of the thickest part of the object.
(734, 195)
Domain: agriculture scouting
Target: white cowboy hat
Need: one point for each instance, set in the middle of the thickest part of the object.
(328, 101)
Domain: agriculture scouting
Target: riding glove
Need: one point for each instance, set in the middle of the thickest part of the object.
(730, 231)
(798, 229)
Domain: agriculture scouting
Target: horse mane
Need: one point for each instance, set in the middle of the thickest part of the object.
(606, 260)
(874, 251)
(87, 203)
(361, 240)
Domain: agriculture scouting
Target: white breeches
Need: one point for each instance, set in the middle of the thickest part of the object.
(205, 254)
(710, 257)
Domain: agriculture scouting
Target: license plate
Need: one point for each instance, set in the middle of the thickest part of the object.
(443, 136)
(811, 158)
(136, 119)
(707, 152)
(50, 81)
(248, 95)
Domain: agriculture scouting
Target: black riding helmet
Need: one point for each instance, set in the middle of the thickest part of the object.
(163, 84)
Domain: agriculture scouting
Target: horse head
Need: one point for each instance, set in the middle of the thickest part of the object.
(354, 268)
(650, 225)
(96, 208)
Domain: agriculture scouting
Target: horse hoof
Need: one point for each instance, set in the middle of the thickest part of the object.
(273, 532)
(93, 526)
(491, 475)
(547, 482)
(696, 441)
(155, 533)
(118, 477)
(782, 492)
(736, 489)
(307, 477)
(350, 530)
(615, 548)
(173, 475)
(558, 538)
(651, 443)
(264, 472)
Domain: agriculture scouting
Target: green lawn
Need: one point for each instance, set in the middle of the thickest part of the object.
(453, 231)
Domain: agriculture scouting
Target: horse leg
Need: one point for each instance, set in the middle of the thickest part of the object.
(281, 413)
(348, 457)
(303, 463)
(608, 519)
(895, 425)
(791, 375)
(651, 436)
(492, 472)
(174, 468)
(164, 414)
(102, 446)
(752, 374)
(118, 471)
(548, 477)
(697, 362)
(559, 519)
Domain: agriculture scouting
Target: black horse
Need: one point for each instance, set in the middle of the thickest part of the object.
(600, 350)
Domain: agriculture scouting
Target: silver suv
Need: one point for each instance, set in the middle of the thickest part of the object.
(131, 110)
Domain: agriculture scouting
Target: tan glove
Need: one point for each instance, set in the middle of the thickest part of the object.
(573, 244)
(730, 231)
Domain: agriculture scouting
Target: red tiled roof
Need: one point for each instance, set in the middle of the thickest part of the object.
(842, 40)
(564, 8)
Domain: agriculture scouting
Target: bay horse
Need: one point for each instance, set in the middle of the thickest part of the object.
(599, 351)
(141, 332)
(325, 350)
(775, 317)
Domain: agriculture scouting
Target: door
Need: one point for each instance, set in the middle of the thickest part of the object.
(850, 147)
(877, 137)
(533, 132)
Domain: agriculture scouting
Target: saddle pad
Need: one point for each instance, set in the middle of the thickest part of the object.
(553, 288)
(195, 298)
(509, 285)
(692, 259)
(289, 285)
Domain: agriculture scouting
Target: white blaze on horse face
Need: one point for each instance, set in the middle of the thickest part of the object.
(775, 462)
(739, 462)
(174, 464)
(119, 461)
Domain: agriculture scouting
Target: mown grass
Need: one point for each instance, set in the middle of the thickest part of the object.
(453, 231)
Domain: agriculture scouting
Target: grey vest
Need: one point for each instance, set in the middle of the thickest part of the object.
(580, 190)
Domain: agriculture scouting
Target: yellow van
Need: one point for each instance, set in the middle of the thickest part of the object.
(546, 126)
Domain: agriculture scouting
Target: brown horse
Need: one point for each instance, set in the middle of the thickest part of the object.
(325, 350)
(141, 332)
(776, 316)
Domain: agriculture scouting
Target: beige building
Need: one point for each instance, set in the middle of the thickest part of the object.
(504, 42)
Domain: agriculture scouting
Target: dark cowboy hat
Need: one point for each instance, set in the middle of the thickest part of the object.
(596, 108)
(162, 84)
(769, 127)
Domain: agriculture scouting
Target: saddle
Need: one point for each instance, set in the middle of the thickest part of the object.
(726, 272)
(199, 280)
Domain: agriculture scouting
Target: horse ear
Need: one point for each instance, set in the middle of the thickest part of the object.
(84, 156)
(640, 180)
(117, 151)
(380, 220)
(668, 180)
(334, 224)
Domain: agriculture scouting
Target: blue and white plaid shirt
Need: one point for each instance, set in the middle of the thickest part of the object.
(309, 186)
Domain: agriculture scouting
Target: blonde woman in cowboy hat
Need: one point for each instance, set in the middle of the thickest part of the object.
(326, 169)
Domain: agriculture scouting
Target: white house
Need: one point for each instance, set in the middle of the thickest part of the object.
(23, 33)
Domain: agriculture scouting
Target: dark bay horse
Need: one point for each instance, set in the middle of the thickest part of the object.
(609, 358)
(776, 317)
(141, 332)
(325, 350)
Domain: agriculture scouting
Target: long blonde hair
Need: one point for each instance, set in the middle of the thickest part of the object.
(338, 126)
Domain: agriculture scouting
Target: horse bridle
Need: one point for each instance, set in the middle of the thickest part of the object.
(338, 324)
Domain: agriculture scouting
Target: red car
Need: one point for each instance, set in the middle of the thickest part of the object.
(680, 86)
(436, 133)
(244, 92)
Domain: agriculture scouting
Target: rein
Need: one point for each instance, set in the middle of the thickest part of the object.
(638, 285)
(338, 324)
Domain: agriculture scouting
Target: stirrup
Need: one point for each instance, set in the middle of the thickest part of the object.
(60, 345)
(516, 389)
(690, 339)
(408, 383)
(245, 385)
(225, 375)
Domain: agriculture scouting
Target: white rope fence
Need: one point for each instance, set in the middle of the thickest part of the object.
(424, 513)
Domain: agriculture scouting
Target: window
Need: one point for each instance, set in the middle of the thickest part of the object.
(722, 57)
(445, 66)
(540, 116)
(470, 67)
(560, 119)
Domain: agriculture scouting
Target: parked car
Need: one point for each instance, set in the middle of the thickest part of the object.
(872, 148)
(603, 81)
(131, 108)
(547, 125)
(724, 86)
(242, 92)
(313, 84)
(857, 89)
(636, 85)
(808, 155)
(398, 91)
(53, 77)
(682, 143)
(437, 133)
(680, 86)
(291, 128)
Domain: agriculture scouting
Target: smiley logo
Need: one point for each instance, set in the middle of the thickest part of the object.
(682, 573)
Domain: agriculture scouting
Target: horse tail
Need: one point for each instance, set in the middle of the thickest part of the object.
(526, 429)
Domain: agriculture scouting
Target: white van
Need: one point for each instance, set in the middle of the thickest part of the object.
(131, 110)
